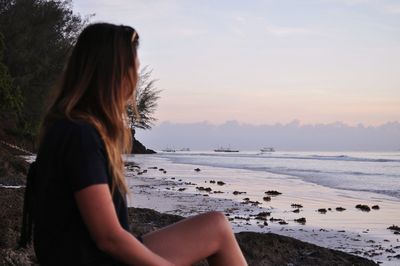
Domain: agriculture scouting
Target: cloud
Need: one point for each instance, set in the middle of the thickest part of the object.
(188, 32)
(294, 135)
(352, 2)
(118, 10)
(392, 9)
(386, 6)
(239, 19)
(287, 31)
(244, 23)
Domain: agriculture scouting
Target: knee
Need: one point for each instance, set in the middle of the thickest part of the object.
(218, 221)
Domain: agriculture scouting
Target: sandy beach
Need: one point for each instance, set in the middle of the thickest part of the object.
(331, 218)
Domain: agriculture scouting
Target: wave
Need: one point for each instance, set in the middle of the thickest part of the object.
(6, 186)
(392, 193)
(334, 158)
(339, 177)
(341, 157)
(297, 172)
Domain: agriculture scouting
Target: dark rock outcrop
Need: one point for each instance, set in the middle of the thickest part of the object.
(13, 169)
(139, 148)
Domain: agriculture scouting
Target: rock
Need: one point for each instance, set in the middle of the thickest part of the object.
(17, 257)
(322, 210)
(394, 228)
(395, 256)
(238, 192)
(197, 169)
(207, 189)
(13, 169)
(263, 214)
(254, 203)
(242, 218)
(139, 148)
(375, 207)
(272, 219)
(364, 208)
(273, 193)
(301, 220)
(220, 183)
(267, 198)
(295, 205)
(340, 209)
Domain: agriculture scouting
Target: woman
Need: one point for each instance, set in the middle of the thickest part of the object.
(76, 191)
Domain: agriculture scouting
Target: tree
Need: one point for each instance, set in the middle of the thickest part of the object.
(10, 98)
(146, 101)
(38, 35)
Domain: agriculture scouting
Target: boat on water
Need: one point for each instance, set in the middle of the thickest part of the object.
(267, 149)
(222, 149)
(168, 150)
(184, 149)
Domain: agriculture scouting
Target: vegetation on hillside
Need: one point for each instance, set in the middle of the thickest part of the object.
(36, 37)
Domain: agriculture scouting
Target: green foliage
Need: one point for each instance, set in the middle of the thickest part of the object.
(10, 97)
(146, 99)
(38, 35)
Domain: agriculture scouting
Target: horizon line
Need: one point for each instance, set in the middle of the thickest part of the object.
(292, 122)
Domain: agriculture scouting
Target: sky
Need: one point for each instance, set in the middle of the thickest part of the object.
(265, 62)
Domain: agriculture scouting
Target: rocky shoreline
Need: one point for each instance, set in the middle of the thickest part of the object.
(259, 248)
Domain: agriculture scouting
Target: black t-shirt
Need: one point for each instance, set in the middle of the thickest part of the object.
(71, 157)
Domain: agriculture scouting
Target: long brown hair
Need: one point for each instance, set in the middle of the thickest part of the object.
(98, 82)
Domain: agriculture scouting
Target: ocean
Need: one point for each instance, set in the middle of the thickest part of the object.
(377, 172)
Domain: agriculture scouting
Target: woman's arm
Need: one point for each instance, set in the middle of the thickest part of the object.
(97, 209)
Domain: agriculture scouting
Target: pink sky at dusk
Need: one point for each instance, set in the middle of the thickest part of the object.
(263, 62)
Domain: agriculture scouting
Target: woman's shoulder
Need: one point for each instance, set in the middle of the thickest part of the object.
(64, 128)
(65, 134)
(76, 126)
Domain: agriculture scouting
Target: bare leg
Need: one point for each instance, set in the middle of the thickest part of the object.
(207, 235)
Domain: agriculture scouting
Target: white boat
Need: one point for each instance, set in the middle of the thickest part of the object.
(222, 149)
(184, 149)
(168, 150)
(267, 149)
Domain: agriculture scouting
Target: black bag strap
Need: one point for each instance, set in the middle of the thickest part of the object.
(27, 217)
